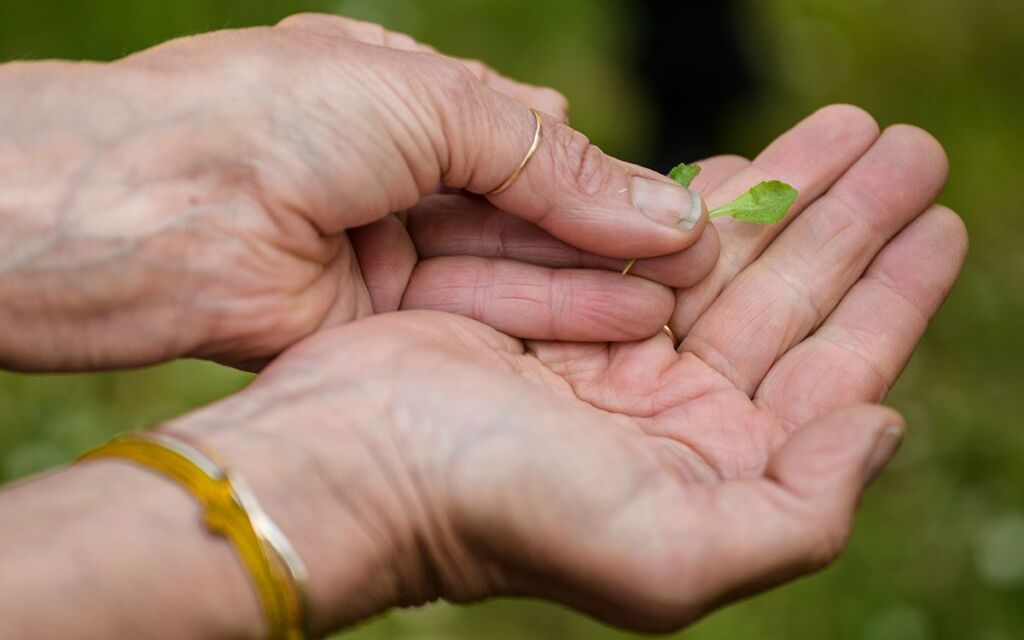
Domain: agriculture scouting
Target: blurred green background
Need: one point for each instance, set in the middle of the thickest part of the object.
(938, 551)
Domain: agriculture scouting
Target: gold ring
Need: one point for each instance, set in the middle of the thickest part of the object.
(526, 159)
(671, 335)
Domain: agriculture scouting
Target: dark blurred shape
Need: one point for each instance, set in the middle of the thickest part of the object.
(691, 61)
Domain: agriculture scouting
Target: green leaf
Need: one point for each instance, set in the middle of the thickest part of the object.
(766, 203)
(684, 173)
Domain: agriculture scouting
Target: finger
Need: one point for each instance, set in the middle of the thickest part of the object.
(454, 225)
(796, 520)
(544, 99)
(800, 278)
(861, 349)
(810, 156)
(534, 302)
(716, 171)
(385, 256)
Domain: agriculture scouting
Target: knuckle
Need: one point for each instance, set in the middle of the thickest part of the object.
(457, 83)
(478, 69)
(306, 20)
(374, 33)
(455, 75)
(581, 160)
(556, 99)
(401, 41)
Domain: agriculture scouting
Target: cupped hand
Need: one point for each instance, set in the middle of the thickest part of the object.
(642, 485)
(227, 194)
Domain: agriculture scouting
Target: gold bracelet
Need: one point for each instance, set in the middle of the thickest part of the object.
(231, 510)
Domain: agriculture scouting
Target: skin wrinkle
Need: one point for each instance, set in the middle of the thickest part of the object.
(424, 147)
(426, 583)
(267, 174)
(799, 291)
(717, 382)
(444, 563)
(371, 536)
(441, 541)
(427, 146)
(481, 98)
(434, 141)
(456, 109)
(705, 351)
(482, 282)
(500, 237)
(687, 463)
(361, 292)
(570, 367)
(561, 290)
(367, 86)
(884, 382)
(837, 207)
(884, 279)
(606, 379)
(726, 465)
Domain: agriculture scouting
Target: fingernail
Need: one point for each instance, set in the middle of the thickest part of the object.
(666, 203)
(885, 447)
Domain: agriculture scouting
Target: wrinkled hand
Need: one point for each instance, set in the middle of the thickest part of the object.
(227, 194)
(642, 485)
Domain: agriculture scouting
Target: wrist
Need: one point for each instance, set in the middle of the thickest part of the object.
(332, 491)
(126, 552)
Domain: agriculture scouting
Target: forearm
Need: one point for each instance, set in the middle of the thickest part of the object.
(122, 551)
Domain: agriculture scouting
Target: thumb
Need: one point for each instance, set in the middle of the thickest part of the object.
(798, 518)
(827, 464)
(569, 186)
(825, 467)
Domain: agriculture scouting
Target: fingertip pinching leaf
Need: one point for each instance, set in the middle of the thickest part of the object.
(766, 203)
(684, 173)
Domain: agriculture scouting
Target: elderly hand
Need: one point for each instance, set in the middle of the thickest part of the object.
(227, 194)
(642, 485)
(417, 455)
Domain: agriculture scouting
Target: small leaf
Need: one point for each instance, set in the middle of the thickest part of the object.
(684, 173)
(766, 203)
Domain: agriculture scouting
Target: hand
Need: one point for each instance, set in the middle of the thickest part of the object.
(227, 194)
(638, 484)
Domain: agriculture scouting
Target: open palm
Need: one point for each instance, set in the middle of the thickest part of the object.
(647, 485)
